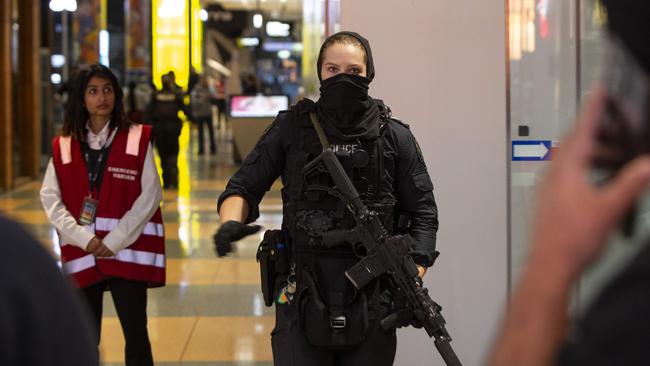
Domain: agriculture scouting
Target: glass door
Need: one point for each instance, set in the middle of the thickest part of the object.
(556, 55)
(543, 95)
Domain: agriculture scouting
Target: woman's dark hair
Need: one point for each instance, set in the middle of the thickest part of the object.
(76, 115)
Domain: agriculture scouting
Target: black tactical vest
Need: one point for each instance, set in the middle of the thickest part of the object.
(309, 210)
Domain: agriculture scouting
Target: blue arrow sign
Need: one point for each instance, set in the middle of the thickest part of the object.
(531, 150)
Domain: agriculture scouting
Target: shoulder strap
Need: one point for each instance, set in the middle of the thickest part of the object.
(319, 130)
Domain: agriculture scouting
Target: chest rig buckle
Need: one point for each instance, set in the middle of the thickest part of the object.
(338, 322)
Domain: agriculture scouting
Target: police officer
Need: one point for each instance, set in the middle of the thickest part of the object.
(163, 114)
(320, 318)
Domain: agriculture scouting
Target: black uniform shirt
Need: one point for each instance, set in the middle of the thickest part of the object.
(404, 167)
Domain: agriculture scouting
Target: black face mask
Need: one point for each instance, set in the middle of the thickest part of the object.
(345, 104)
(345, 94)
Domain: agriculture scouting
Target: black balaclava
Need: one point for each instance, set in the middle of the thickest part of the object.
(344, 107)
(629, 20)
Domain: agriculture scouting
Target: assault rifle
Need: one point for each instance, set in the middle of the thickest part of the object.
(382, 254)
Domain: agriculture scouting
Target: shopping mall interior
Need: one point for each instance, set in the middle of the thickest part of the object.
(475, 80)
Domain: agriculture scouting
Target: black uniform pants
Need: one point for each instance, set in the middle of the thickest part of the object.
(291, 348)
(166, 135)
(130, 299)
(221, 110)
(207, 122)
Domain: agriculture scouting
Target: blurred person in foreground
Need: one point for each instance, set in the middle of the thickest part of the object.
(574, 219)
(40, 315)
(102, 193)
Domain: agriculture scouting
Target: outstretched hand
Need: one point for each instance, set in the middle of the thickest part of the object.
(229, 232)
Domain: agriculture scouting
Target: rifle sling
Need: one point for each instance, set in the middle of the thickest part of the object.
(319, 130)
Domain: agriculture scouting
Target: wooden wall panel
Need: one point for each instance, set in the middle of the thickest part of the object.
(29, 91)
(6, 151)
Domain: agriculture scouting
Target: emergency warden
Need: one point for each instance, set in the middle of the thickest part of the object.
(102, 192)
(320, 318)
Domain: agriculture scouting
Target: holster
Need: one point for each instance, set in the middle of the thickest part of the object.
(273, 257)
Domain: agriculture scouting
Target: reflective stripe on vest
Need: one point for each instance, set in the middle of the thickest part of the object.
(125, 255)
(79, 264)
(108, 224)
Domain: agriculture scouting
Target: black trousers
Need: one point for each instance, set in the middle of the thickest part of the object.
(221, 108)
(207, 122)
(291, 348)
(166, 135)
(169, 165)
(130, 298)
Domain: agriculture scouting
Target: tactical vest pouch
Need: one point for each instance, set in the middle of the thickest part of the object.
(336, 326)
(273, 256)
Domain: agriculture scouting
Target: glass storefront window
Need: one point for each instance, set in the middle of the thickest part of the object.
(556, 55)
(543, 99)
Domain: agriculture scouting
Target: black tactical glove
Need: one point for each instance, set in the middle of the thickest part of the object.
(402, 318)
(402, 314)
(231, 231)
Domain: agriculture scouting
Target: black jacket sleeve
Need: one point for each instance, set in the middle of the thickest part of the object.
(260, 169)
(414, 194)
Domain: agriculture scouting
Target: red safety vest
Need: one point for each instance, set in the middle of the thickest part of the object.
(144, 260)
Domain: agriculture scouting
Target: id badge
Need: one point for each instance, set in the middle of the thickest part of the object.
(88, 211)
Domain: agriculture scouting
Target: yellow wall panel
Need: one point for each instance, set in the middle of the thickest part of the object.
(170, 40)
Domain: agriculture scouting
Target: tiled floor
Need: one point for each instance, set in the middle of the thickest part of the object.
(211, 312)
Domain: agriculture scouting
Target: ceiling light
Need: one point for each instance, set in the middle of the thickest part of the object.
(248, 41)
(277, 29)
(258, 20)
(57, 60)
(61, 5)
(55, 78)
(203, 15)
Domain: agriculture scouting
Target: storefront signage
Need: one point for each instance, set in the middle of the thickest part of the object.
(531, 150)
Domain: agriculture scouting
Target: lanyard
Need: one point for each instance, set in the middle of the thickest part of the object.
(94, 174)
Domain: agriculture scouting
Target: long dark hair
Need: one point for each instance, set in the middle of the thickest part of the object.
(76, 115)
